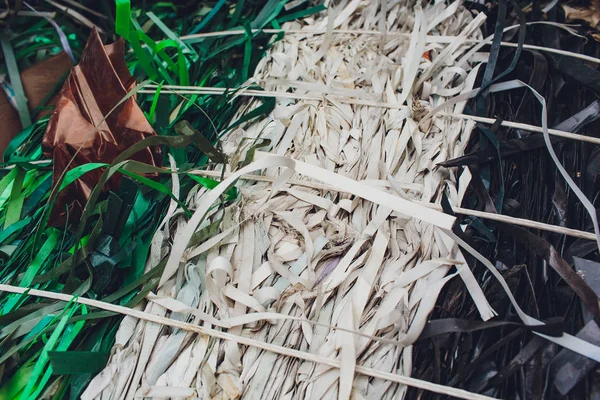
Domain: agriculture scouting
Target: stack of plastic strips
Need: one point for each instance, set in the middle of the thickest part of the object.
(294, 255)
(319, 278)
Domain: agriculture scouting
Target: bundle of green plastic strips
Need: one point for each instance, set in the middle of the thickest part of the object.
(78, 215)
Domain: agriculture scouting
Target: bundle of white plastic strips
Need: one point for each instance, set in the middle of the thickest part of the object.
(344, 259)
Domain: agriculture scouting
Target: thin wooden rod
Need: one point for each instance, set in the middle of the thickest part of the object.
(429, 39)
(525, 127)
(169, 89)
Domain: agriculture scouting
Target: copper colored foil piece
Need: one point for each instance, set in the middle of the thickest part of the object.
(82, 129)
(38, 80)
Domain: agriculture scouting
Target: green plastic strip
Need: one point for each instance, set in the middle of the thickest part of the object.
(210, 16)
(15, 79)
(158, 49)
(41, 257)
(156, 186)
(34, 267)
(184, 75)
(123, 18)
(143, 57)
(15, 203)
(71, 331)
(8, 178)
(77, 362)
(43, 359)
(155, 102)
(171, 35)
(247, 52)
(17, 141)
(12, 388)
(129, 171)
(208, 183)
(77, 172)
(14, 228)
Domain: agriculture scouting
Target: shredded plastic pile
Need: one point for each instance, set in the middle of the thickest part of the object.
(308, 251)
(286, 200)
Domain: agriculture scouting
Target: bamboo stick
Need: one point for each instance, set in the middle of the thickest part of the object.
(430, 39)
(169, 89)
(526, 127)
(258, 93)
